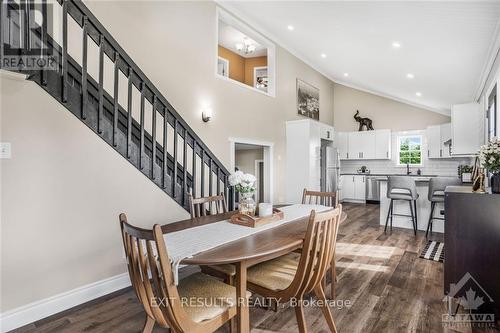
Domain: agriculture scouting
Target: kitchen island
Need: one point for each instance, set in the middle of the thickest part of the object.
(402, 207)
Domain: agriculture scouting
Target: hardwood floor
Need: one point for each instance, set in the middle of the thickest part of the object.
(389, 287)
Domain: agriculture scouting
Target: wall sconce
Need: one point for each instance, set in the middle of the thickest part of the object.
(206, 115)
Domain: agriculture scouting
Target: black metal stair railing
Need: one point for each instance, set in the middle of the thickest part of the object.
(86, 97)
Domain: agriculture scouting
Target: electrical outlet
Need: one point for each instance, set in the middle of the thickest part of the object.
(5, 150)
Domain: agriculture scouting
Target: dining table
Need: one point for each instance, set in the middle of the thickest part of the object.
(246, 252)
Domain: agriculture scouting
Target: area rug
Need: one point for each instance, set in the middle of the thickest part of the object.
(433, 250)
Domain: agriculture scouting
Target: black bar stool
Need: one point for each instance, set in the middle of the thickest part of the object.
(437, 186)
(402, 188)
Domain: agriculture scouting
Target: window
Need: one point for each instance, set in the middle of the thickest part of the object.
(244, 56)
(410, 150)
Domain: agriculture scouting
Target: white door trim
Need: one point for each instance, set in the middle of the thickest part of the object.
(268, 163)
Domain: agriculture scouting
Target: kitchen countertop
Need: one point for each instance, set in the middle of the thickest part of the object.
(385, 174)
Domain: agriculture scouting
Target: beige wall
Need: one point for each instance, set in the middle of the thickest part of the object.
(245, 159)
(62, 192)
(385, 113)
(182, 65)
(64, 187)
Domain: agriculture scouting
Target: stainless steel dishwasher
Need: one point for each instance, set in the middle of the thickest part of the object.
(372, 189)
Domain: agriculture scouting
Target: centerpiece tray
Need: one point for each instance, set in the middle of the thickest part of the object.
(256, 221)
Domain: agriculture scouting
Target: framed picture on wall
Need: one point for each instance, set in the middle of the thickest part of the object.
(307, 100)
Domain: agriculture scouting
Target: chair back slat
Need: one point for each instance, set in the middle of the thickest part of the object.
(204, 206)
(329, 199)
(152, 277)
(317, 251)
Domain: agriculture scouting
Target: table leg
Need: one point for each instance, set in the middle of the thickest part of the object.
(241, 295)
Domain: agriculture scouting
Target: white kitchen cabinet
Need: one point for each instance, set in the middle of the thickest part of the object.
(383, 144)
(341, 142)
(326, 132)
(467, 129)
(303, 157)
(353, 188)
(437, 135)
(361, 145)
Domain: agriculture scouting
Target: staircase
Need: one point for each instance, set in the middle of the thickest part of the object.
(169, 152)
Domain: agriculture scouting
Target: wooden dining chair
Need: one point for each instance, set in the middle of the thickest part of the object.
(330, 199)
(215, 204)
(208, 206)
(294, 275)
(320, 198)
(166, 304)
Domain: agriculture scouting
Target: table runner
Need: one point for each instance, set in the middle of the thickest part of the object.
(189, 242)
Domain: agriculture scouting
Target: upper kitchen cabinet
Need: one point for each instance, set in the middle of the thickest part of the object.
(466, 129)
(438, 141)
(382, 144)
(341, 142)
(369, 145)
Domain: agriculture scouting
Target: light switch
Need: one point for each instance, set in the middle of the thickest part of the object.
(5, 150)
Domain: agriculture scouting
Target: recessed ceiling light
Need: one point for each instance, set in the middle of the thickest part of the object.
(418, 93)
(410, 76)
(346, 74)
(323, 55)
(396, 45)
(290, 27)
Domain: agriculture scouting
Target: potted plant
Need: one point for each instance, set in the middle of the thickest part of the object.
(489, 156)
(244, 184)
(465, 173)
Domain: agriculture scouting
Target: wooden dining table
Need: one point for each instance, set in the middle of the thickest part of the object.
(246, 252)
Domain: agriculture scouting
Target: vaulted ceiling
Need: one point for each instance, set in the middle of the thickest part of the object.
(427, 53)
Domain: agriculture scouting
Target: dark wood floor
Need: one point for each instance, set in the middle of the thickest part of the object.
(390, 288)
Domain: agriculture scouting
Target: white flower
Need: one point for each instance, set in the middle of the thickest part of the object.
(236, 178)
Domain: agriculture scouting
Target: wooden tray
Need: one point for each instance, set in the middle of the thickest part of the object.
(256, 221)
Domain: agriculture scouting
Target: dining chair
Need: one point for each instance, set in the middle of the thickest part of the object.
(327, 199)
(320, 198)
(208, 206)
(292, 276)
(166, 304)
(215, 204)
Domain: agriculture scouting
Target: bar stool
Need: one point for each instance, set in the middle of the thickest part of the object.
(402, 188)
(437, 186)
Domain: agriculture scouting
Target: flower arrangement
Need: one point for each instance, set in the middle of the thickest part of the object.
(489, 156)
(243, 182)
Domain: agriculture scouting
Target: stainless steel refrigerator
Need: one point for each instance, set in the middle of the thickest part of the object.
(330, 169)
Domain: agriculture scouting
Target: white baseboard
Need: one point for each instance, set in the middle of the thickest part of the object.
(46, 307)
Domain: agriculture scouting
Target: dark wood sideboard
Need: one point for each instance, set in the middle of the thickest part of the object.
(472, 242)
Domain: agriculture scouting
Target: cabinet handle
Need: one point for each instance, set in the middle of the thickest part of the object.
(428, 153)
(387, 154)
(353, 179)
(363, 179)
(440, 153)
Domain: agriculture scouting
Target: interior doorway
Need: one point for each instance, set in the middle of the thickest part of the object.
(254, 157)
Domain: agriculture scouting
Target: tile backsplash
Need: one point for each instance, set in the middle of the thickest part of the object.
(439, 167)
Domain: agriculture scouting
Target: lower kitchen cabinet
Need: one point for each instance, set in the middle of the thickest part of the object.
(353, 188)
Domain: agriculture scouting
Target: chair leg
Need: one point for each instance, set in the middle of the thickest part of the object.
(392, 212)
(301, 320)
(334, 280)
(388, 214)
(320, 295)
(416, 215)
(430, 220)
(148, 325)
(413, 218)
(232, 325)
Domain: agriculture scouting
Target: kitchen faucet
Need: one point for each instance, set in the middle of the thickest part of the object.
(408, 172)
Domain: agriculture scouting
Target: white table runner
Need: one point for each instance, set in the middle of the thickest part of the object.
(189, 242)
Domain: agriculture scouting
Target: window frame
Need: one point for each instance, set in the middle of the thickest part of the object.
(230, 19)
(398, 143)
